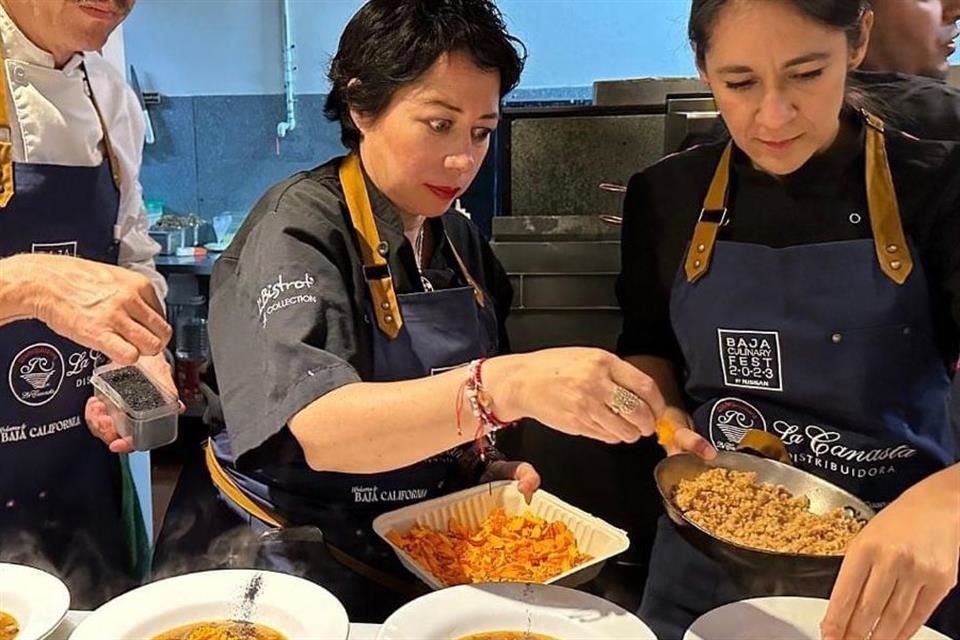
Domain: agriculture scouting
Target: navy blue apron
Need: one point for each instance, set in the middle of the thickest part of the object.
(61, 490)
(414, 335)
(828, 346)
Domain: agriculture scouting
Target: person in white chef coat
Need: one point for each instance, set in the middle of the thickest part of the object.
(77, 284)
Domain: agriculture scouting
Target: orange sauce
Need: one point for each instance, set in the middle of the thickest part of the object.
(221, 630)
(507, 635)
(9, 628)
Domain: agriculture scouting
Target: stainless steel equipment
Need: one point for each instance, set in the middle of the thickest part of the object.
(169, 240)
(689, 117)
(644, 91)
(175, 231)
(557, 157)
(553, 158)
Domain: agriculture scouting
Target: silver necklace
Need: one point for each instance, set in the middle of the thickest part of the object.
(418, 258)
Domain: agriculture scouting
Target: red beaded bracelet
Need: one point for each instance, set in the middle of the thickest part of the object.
(472, 389)
(484, 400)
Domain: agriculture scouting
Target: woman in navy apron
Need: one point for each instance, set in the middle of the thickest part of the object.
(799, 279)
(346, 311)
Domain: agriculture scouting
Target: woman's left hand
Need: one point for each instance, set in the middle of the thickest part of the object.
(528, 480)
(102, 425)
(900, 567)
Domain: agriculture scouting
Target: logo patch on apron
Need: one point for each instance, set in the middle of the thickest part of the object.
(750, 359)
(36, 374)
(730, 419)
(368, 494)
(56, 248)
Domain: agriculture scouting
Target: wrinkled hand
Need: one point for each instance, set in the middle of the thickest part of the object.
(572, 390)
(898, 569)
(104, 307)
(103, 426)
(679, 435)
(528, 480)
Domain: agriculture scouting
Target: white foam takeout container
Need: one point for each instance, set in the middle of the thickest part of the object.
(471, 507)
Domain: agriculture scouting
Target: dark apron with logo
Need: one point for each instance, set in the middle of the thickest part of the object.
(414, 335)
(822, 345)
(66, 503)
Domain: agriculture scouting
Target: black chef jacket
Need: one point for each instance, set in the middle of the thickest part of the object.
(921, 106)
(288, 300)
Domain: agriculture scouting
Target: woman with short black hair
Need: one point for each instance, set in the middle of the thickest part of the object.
(352, 316)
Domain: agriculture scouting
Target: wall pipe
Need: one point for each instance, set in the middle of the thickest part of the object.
(289, 68)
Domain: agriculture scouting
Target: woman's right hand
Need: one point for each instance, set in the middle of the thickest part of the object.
(100, 306)
(575, 390)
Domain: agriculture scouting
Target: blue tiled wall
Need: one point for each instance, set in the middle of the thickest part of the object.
(169, 170)
(220, 153)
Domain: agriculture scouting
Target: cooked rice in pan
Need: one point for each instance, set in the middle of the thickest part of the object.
(733, 506)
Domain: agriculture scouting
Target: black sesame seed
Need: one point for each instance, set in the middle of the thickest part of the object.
(134, 387)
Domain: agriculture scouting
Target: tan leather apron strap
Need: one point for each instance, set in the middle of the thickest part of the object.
(892, 250)
(231, 490)
(893, 253)
(376, 271)
(6, 146)
(477, 291)
(712, 217)
(107, 145)
(226, 484)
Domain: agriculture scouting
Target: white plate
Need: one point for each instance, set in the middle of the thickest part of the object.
(551, 610)
(297, 608)
(38, 600)
(784, 618)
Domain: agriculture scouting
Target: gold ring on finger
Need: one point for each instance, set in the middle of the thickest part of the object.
(624, 401)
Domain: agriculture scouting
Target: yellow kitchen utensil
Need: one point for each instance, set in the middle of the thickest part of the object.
(764, 444)
(666, 432)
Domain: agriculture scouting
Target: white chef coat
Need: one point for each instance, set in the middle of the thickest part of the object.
(53, 121)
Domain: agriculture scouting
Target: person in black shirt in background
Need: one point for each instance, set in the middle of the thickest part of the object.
(913, 37)
(858, 327)
(907, 63)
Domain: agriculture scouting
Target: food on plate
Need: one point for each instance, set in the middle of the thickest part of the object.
(522, 548)
(221, 630)
(507, 635)
(8, 626)
(733, 506)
